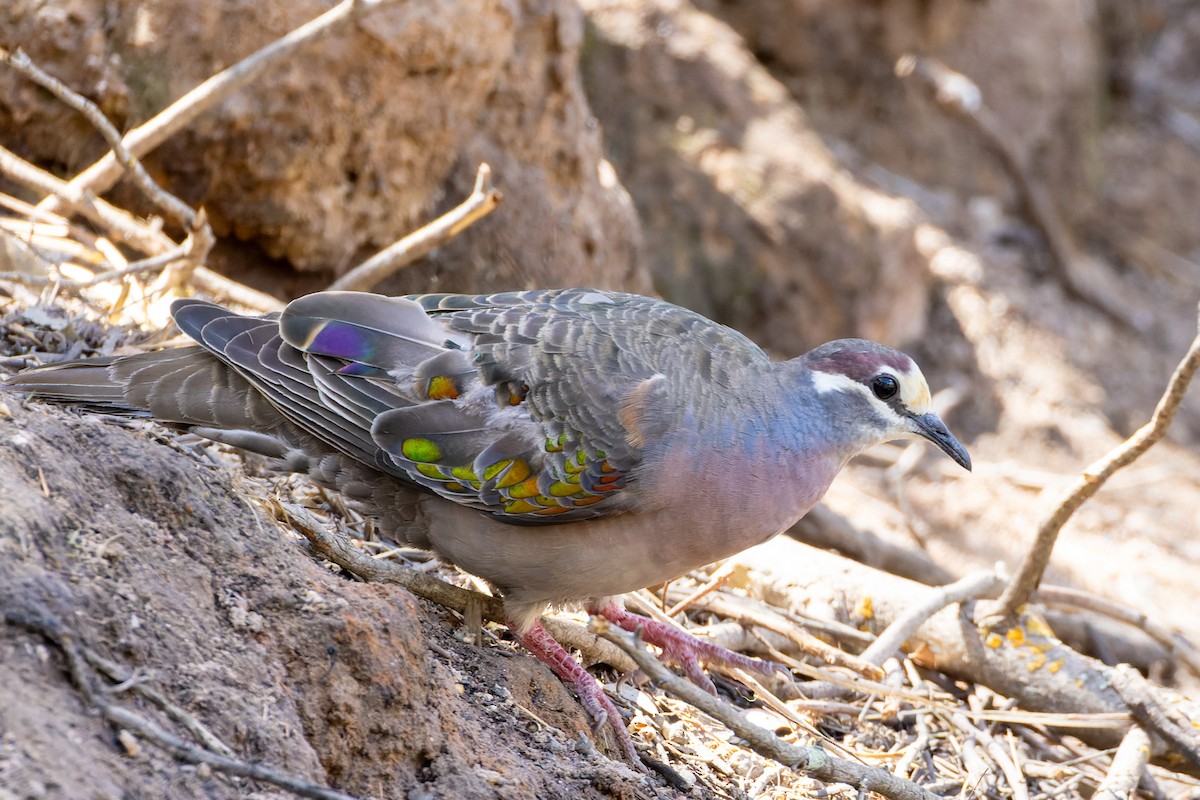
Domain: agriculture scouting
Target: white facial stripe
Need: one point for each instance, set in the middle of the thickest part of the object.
(836, 382)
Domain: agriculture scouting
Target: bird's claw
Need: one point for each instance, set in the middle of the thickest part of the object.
(595, 702)
(686, 650)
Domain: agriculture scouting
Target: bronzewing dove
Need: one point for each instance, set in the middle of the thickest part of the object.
(566, 445)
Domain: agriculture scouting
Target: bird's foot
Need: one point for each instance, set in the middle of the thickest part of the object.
(537, 640)
(684, 648)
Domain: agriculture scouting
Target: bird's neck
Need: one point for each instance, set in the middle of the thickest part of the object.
(769, 441)
(783, 410)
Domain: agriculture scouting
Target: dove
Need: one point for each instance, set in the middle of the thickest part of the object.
(567, 445)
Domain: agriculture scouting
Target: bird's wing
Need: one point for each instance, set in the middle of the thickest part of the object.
(523, 405)
(553, 368)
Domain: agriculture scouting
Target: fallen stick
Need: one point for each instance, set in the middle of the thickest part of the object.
(120, 717)
(1159, 715)
(124, 227)
(1024, 662)
(175, 208)
(338, 548)
(958, 95)
(827, 530)
(1128, 765)
(1174, 645)
(897, 633)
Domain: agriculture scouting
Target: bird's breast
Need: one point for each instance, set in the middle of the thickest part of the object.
(695, 504)
(737, 496)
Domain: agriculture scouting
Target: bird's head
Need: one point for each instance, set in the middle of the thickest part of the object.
(884, 391)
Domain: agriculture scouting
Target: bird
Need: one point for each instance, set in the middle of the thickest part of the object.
(568, 446)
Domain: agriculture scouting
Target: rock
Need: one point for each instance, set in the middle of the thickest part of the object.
(358, 139)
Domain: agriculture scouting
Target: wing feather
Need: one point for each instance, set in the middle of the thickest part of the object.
(534, 407)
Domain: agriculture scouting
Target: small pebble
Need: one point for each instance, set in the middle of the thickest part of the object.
(129, 742)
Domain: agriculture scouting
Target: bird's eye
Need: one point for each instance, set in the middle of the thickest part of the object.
(885, 387)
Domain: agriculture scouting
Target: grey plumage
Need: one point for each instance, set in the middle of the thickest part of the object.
(567, 445)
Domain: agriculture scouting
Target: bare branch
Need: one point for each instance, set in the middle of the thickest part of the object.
(1024, 662)
(150, 264)
(118, 223)
(1164, 719)
(121, 675)
(827, 530)
(1173, 643)
(336, 547)
(996, 752)
(971, 587)
(752, 613)
(722, 575)
(124, 227)
(960, 96)
(481, 202)
(1029, 575)
(217, 285)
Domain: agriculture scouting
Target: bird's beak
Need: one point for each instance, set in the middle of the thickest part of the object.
(931, 427)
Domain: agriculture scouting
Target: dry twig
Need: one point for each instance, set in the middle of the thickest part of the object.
(996, 752)
(917, 748)
(179, 211)
(897, 633)
(1029, 575)
(200, 238)
(1128, 766)
(124, 227)
(757, 614)
(118, 223)
(1173, 643)
(1024, 662)
(1165, 719)
(78, 193)
(339, 549)
(721, 576)
(482, 201)
(827, 530)
(138, 267)
(123, 676)
(812, 760)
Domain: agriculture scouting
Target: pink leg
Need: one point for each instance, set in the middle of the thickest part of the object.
(591, 695)
(681, 646)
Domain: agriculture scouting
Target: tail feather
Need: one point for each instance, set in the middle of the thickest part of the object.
(86, 383)
(181, 386)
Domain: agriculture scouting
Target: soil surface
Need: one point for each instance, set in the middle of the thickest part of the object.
(159, 563)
